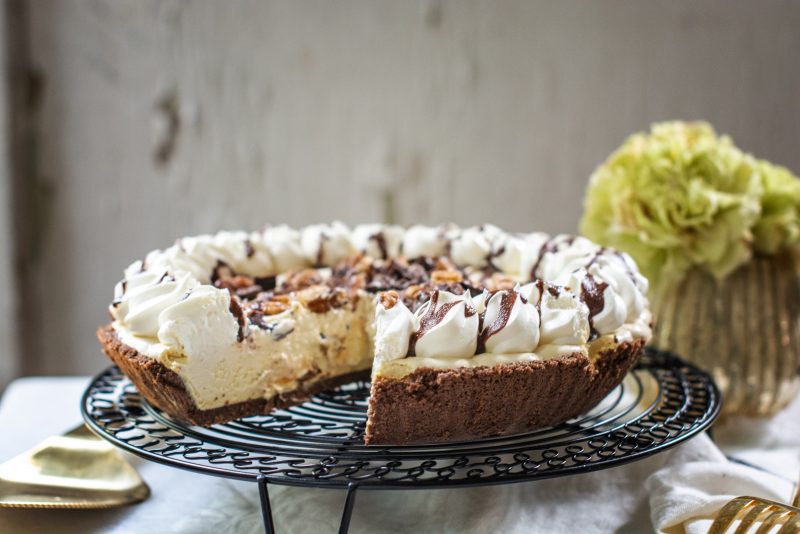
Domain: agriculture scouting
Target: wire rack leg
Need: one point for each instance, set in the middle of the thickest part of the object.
(349, 502)
(266, 511)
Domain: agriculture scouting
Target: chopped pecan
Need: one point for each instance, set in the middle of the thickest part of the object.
(389, 299)
(500, 281)
(275, 305)
(446, 277)
(297, 280)
(320, 299)
(413, 291)
(272, 307)
(443, 263)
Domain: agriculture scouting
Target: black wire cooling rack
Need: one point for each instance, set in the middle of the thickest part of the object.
(663, 402)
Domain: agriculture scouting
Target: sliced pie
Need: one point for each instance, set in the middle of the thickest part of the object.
(468, 333)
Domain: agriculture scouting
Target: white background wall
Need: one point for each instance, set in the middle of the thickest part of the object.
(159, 119)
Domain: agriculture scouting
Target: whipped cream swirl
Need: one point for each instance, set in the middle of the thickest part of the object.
(511, 324)
(448, 327)
(471, 247)
(283, 244)
(325, 244)
(421, 241)
(378, 240)
(597, 291)
(397, 324)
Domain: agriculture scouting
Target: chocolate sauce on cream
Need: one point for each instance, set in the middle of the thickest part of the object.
(320, 251)
(592, 296)
(546, 247)
(495, 254)
(237, 313)
(506, 306)
(257, 319)
(434, 315)
(380, 240)
(551, 245)
(221, 270)
(248, 248)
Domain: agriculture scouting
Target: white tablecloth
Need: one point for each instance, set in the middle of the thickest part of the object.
(621, 499)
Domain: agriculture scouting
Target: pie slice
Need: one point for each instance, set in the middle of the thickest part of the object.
(467, 333)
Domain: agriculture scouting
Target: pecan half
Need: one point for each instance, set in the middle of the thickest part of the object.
(389, 299)
(446, 277)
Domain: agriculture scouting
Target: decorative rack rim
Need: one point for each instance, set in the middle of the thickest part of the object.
(337, 463)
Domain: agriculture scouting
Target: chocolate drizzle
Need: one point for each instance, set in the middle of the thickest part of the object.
(596, 256)
(257, 319)
(248, 248)
(380, 240)
(434, 315)
(546, 247)
(495, 254)
(592, 296)
(320, 251)
(628, 269)
(448, 244)
(265, 282)
(221, 270)
(551, 245)
(237, 313)
(507, 301)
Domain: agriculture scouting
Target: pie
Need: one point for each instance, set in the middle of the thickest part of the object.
(466, 333)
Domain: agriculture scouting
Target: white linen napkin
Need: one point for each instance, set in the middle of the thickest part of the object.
(686, 494)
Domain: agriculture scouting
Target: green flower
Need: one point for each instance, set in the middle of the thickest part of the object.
(681, 197)
(779, 225)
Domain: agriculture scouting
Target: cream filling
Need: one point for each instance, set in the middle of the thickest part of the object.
(298, 346)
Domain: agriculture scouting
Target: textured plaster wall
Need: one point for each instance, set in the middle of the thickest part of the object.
(160, 119)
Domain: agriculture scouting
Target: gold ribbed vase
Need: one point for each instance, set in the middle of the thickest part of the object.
(744, 330)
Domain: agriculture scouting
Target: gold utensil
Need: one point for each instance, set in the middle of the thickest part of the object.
(76, 470)
(746, 513)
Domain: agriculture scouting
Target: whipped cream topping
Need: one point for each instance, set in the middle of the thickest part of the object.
(564, 318)
(198, 322)
(471, 247)
(607, 310)
(396, 325)
(283, 244)
(420, 241)
(515, 254)
(145, 295)
(325, 244)
(594, 291)
(511, 324)
(378, 240)
(448, 327)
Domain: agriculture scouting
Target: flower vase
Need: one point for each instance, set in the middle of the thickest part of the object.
(743, 329)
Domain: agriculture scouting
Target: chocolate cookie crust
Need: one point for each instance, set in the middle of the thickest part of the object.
(438, 405)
